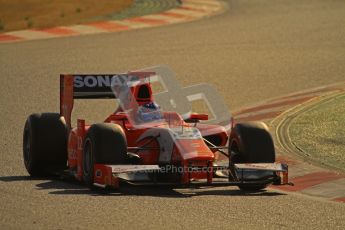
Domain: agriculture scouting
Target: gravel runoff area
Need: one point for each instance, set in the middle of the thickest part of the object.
(320, 132)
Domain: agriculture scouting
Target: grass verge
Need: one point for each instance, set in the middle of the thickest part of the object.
(19, 14)
(320, 133)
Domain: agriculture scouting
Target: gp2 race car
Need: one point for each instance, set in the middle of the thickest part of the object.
(140, 143)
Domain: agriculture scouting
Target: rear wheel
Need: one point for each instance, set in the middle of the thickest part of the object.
(251, 143)
(45, 144)
(104, 144)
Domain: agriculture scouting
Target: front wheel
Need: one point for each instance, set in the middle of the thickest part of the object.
(251, 142)
(104, 143)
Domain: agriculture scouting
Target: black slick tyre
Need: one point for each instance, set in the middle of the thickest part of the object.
(104, 143)
(251, 142)
(45, 144)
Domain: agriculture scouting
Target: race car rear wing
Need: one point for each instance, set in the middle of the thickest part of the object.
(91, 86)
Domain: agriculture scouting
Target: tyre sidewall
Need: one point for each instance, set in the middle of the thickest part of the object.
(88, 167)
(254, 142)
(47, 136)
(107, 144)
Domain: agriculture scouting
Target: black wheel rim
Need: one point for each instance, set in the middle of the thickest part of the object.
(235, 154)
(87, 158)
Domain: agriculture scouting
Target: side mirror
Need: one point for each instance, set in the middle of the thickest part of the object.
(196, 117)
(119, 117)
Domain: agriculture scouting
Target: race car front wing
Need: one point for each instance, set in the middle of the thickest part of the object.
(240, 174)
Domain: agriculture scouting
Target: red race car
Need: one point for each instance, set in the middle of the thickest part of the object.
(141, 143)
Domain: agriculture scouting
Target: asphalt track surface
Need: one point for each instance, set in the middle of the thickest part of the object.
(254, 51)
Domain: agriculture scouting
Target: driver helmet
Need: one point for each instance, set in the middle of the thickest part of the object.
(149, 112)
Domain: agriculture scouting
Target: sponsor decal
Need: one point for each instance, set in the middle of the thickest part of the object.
(101, 81)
